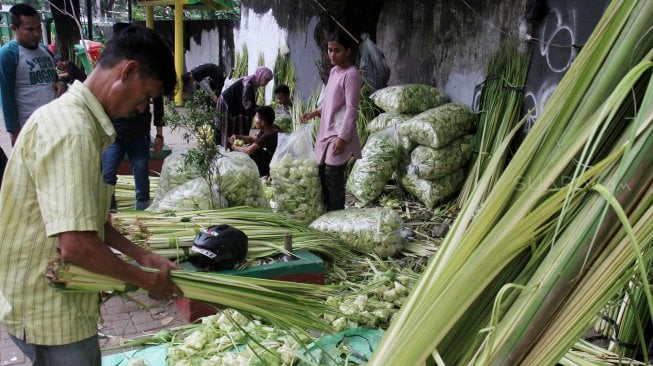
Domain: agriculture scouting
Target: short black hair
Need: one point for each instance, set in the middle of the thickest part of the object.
(343, 38)
(147, 48)
(282, 88)
(185, 78)
(266, 113)
(18, 10)
(119, 27)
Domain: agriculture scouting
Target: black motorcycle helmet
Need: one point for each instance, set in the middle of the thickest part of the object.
(218, 248)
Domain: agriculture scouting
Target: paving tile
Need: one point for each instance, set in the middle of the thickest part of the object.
(12, 355)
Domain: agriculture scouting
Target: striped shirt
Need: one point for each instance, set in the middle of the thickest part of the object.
(52, 184)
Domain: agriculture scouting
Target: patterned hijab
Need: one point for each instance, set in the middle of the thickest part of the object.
(258, 76)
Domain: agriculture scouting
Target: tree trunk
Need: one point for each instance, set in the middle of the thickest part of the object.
(98, 9)
(66, 21)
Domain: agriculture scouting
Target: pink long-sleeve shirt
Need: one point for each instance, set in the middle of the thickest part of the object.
(338, 113)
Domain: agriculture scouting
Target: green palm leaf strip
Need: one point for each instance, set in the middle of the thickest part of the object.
(290, 305)
(542, 204)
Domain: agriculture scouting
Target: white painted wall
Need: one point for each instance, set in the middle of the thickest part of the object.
(207, 50)
(263, 36)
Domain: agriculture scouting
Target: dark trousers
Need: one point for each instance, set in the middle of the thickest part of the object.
(138, 150)
(85, 352)
(3, 163)
(332, 178)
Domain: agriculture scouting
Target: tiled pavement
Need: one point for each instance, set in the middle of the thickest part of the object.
(121, 320)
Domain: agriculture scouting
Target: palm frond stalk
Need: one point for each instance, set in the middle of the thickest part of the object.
(500, 107)
(288, 304)
(168, 235)
(548, 202)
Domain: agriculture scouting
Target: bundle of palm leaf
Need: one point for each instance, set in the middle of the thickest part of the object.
(171, 235)
(563, 229)
(125, 188)
(290, 305)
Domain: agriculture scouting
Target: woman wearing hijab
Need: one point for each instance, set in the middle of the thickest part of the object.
(236, 106)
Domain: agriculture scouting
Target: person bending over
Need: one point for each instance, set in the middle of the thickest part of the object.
(262, 147)
(55, 204)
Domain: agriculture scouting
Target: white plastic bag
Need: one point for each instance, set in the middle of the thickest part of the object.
(239, 181)
(174, 172)
(373, 68)
(367, 230)
(193, 195)
(380, 159)
(295, 182)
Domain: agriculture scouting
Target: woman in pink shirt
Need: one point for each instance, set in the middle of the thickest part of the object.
(337, 141)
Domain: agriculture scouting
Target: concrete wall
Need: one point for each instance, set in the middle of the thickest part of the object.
(267, 27)
(557, 39)
(444, 43)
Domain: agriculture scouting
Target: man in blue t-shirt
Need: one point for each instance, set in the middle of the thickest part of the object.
(28, 74)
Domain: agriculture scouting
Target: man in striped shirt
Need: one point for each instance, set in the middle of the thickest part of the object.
(54, 203)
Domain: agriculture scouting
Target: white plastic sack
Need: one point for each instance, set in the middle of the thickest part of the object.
(295, 182)
(239, 181)
(408, 98)
(433, 163)
(367, 230)
(432, 192)
(193, 195)
(386, 120)
(373, 67)
(380, 158)
(439, 126)
(174, 172)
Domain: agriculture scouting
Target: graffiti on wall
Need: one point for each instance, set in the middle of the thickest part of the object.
(557, 40)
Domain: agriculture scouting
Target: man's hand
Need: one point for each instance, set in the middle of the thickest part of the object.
(161, 287)
(60, 87)
(157, 146)
(87, 250)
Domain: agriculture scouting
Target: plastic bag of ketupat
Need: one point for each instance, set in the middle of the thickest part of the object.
(367, 230)
(433, 163)
(380, 159)
(439, 126)
(295, 182)
(176, 170)
(432, 192)
(284, 121)
(409, 98)
(238, 180)
(194, 195)
(387, 120)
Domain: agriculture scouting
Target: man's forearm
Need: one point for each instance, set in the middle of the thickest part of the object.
(86, 250)
(116, 240)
